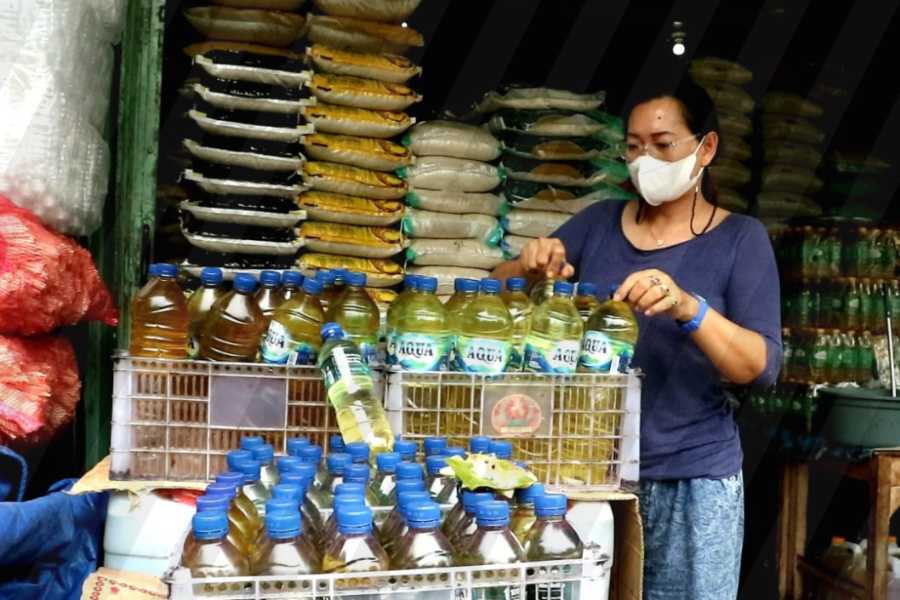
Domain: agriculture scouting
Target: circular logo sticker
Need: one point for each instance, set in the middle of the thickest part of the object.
(516, 414)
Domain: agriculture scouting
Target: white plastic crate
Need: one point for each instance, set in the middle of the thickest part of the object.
(457, 583)
(576, 432)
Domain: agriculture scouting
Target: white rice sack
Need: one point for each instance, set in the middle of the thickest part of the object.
(792, 129)
(457, 202)
(346, 120)
(228, 187)
(791, 105)
(449, 138)
(353, 181)
(238, 72)
(718, 69)
(427, 224)
(533, 223)
(243, 130)
(546, 124)
(361, 35)
(729, 173)
(286, 5)
(454, 174)
(392, 68)
(367, 153)
(540, 99)
(247, 160)
(269, 28)
(787, 178)
(454, 253)
(232, 102)
(572, 174)
(362, 93)
(392, 11)
(446, 276)
(571, 207)
(512, 244)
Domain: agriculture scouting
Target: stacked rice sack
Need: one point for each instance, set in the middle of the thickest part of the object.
(354, 198)
(243, 135)
(560, 155)
(792, 149)
(453, 208)
(725, 82)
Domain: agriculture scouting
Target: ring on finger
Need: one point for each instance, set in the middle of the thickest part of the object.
(674, 302)
(655, 280)
(665, 289)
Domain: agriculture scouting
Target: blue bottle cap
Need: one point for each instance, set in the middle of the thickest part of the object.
(264, 454)
(287, 463)
(356, 279)
(332, 330)
(294, 478)
(347, 501)
(350, 489)
(551, 505)
(336, 444)
(435, 445)
(465, 285)
(454, 451)
(428, 284)
(287, 491)
(411, 281)
(492, 513)
(211, 276)
(274, 505)
(435, 464)
(296, 444)
(312, 286)
(408, 470)
(479, 444)
(249, 442)
(235, 455)
(325, 277)
(409, 485)
(307, 470)
(527, 495)
(168, 270)
(405, 499)
(250, 470)
(354, 520)
(516, 284)
(501, 448)
(283, 524)
(473, 499)
(406, 449)
(224, 488)
(356, 473)
(311, 454)
(292, 278)
(153, 270)
(232, 477)
(245, 283)
(423, 515)
(210, 525)
(340, 275)
(358, 451)
(562, 288)
(337, 462)
(586, 288)
(270, 278)
(490, 285)
(209, 503)
(387, 462)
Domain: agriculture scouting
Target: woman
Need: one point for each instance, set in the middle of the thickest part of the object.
(704, 286)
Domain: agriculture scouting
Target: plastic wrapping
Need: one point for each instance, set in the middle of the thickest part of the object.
(353, 181)
(449, 138)
(533, 223)
(392, 68)
(229, 187)
(250, 73)
(224, 128)
(427, 224)
(366, 153)
(446, 276)
(782, 205)
(457, 202)
(732, 200)
(454, 253)
(346, 120)
(540, 99)
(351, 240)
(269, 28)
(362, 93)
(46, 280)
(374, 10)
(455, 174)
(379, 272)
(361, 35)
(350, 210)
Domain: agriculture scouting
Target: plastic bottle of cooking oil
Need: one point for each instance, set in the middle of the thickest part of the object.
(350, 389)
(160, 318)
(213, 555)
(200, 303)
(479, 444)
(242, 512)
(357, 315)
(312, 518)
(521, 311)
(467, 525)
(441, 487)
(501, 449)
(454, 451)
(340, 281)
(250, 442)
(410, 284)
(293, 336)
(326, 278)
(355, 549)
(322, 497)
(464, 291)
(285, 501)
(215, 502)
(396, 520)
(409, 470)
(381, 488)
(253, 488)
(434, 445)
(610, 336)
(523, 516)
(269, 296)
(268, 473)
(241, 531)
(286, 551)
(555, 339)
(492, 544)
(407, 449)
(291, 283)
(234, 325)
(424, 546)
(345, 498)
(288, 463)
(484, 332)
(358, 451)
(357, 473)
(420, 341)
(586, 300)
(312, 455)
(542, 291)
(552, 538)
(402, 486)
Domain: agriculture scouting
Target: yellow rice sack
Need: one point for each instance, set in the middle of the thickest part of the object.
(392, 11)
(353, 181)
(268, 28)
(351, 240)
(361, 35)
(346, 120)
(380, 273)
(362, 93)
(392, 68)
(350, 210)
(367, 153)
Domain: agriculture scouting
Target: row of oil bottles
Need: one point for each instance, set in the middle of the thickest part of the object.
(264, 517)
(848, 560)
(478, 330)
(827, 356)
(810, 251)
(840, 303)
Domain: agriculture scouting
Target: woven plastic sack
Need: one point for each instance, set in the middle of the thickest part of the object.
(362, 93)
(735, 125)
(374, 10)
(533, 223)
(392, 68)
(455, 174)
(361, 35)
(46, 280)
(427, 224)
(454, 253)
(540, 99)
(572, 174)
(734, 148)
(351, 240)
(457, 202)
(366, 153)
(353, 181)
(269, 28)
(446, 276)
(448, 138)
(350, 210)
(346, 120)
(39, 386)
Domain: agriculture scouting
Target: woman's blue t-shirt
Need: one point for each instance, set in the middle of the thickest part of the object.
(687, 426)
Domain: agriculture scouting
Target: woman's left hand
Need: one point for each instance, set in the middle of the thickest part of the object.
(653, 292)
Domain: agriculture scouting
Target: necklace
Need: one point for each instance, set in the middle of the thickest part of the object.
(659, 241)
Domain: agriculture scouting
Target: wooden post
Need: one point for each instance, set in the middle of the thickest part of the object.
(881, 485)
(792, 528)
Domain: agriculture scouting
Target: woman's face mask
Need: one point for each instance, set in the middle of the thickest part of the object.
(660, 181)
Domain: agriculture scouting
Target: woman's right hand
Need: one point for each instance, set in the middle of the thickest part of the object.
(546, 257)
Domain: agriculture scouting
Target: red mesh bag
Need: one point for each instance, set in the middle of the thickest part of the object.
(46, 279)
(39, 387)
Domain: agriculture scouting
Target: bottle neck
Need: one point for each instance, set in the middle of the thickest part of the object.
(551, 518)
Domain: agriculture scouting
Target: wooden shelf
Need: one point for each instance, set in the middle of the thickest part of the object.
(813, 570)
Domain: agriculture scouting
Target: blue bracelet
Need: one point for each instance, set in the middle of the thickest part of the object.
(694, 324)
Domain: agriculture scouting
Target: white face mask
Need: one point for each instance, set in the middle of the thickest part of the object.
(659, 181)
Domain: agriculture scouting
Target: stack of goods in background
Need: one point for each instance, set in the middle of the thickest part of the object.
(354, 200)
(453, 208)
(856, 181)
(725, 82)
(242, 137)
(560, 155)
(792, 150)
